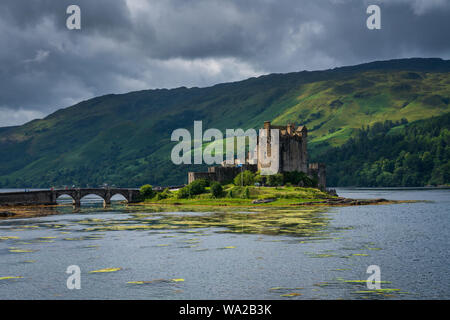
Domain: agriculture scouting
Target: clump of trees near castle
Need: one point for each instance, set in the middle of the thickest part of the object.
(294, 178)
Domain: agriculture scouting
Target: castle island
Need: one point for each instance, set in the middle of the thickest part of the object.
(293, 181)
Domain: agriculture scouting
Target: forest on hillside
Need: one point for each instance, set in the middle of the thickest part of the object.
(393, 154)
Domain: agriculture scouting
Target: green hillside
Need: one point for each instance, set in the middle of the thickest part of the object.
(125, 139)
(393, 154)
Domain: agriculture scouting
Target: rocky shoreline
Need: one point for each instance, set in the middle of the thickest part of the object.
(5, 214)
(335, 202)
(19, 212)
(340, 201)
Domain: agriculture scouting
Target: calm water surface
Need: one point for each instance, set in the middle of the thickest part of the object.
(307, 253)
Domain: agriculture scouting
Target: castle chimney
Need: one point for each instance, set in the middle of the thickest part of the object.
(267, 125)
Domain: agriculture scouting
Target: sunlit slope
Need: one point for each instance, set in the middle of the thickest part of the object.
(332, 109)
(125, 139)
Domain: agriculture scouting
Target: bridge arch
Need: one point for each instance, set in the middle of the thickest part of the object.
(63, 195)
(96, 197)
(122, 195)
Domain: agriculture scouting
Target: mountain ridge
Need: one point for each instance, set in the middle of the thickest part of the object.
(116, 138)
(413, 64)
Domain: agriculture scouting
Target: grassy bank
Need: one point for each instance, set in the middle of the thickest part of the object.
(242, 196)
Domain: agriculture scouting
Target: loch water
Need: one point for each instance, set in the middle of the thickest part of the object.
(298, 253)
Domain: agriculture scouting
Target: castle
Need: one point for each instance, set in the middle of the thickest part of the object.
(292, 153)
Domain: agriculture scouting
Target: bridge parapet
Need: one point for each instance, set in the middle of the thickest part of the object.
(49, 197)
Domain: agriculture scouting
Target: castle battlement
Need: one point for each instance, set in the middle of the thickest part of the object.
(288, 130)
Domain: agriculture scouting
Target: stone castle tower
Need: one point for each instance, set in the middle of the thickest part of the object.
(292, 150)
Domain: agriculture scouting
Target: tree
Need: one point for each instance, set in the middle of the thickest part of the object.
(246, 193)
(385, 179)
(275, 180)
(260, 179)
(166, 193)
(246, 178)
(147, 191)
(192, 189)
(183, 193)
(296, 178)
(198, 186)
(394, 153)
(216, 190)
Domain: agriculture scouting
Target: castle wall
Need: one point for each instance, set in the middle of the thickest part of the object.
(318, 170)
(293, 154)
(226, 174)
(221, 174)
(192, 176)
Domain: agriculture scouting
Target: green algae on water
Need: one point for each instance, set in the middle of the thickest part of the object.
(106, 270)
(10, 278)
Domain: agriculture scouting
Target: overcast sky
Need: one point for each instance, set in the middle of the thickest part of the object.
(127, 45)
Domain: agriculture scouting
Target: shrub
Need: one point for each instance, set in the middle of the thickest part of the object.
(246, 178)
(293, 177)
(216, 189)
(183, 193)
(275, 180)
(260, 179)
(299, 179)
(310, 182)
(194, 188)
(198, 186)
(166, 193)
(147, 191)
(246, 193)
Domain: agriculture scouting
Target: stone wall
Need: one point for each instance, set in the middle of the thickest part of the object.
(221, 173)
(192, 176)
(318, 170)
(48, 197)
(27, 198)
(293, 154)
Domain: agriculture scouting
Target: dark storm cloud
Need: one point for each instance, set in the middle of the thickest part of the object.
(129, 45)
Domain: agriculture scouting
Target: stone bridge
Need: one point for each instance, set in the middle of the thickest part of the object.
(49, 197)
